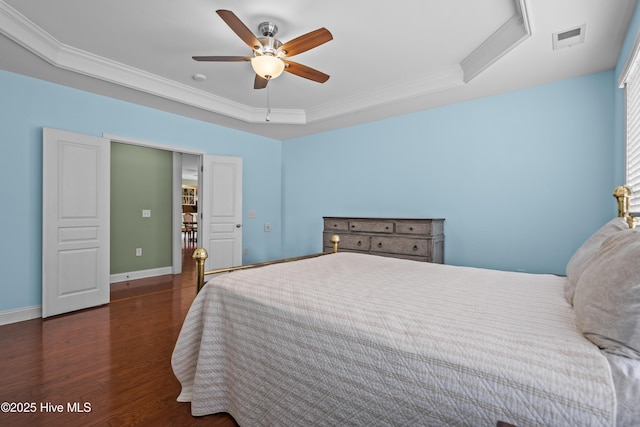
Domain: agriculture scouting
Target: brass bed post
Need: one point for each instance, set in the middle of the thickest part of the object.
(200, 255)
(623, 194)
(335, 239)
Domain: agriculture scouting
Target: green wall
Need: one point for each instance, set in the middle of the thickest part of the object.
(141, 178)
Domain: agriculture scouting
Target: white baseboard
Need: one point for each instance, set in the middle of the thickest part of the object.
(20, 314)
(35, 312)
(142, 274)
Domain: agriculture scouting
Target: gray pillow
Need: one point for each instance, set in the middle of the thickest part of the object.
(581, 257)
(607, 297)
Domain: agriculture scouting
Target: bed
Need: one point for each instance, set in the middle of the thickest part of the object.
(353, 339)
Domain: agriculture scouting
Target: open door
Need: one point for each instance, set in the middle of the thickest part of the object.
(220, 205)
(75, 221)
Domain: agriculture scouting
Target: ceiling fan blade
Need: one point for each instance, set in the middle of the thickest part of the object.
(222, 58)
(306, 42)
(260, 83)
(306, 72)
(239, 28)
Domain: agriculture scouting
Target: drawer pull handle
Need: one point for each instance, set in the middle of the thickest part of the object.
(335, 225)
(353, 226)
(387, 227)
(410, 228)
(359, 243)
(415, 247)
(380, 244)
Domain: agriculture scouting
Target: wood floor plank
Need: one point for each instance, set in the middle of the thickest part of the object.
(115, 358)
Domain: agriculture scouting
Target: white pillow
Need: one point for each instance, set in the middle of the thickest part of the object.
(607, 296)
(581, 257)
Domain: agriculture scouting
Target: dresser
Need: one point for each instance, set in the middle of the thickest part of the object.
(419, 239)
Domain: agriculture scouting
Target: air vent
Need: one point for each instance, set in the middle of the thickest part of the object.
(569, 38)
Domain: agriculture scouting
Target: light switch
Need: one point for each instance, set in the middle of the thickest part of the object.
(146, 213)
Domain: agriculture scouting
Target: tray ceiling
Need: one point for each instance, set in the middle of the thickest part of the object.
(386, 59)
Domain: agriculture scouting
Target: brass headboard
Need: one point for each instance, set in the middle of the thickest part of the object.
(623, 194)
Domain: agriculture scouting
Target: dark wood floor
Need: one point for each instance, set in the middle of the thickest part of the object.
(114, 359)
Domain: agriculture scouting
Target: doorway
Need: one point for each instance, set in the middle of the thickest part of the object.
(157, 172)
(175, 203)
(190, 186)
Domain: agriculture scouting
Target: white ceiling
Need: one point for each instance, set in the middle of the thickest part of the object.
(386, 58)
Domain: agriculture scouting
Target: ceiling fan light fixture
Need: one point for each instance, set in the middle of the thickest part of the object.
(268, 52)
(267, 66)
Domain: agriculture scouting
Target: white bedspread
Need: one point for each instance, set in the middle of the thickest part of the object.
(351, 339)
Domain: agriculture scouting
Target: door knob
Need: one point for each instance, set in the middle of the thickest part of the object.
(238, 225)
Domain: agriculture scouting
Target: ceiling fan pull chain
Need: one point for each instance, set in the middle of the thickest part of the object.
(268, 118)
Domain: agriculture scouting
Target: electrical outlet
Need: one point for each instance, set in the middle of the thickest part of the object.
(146, 213)
(267, 227)
(245, 251)
(138, 251)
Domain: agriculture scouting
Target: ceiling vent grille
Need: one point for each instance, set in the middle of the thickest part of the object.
(569, 38)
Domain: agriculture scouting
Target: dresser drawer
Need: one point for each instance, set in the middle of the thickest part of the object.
(371, 227)
(336, 224)
(355, 243)
(413, 228)
(350, 242)
(401, 245)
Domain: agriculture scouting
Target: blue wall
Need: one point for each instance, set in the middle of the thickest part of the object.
(521, 178)
(27, 105)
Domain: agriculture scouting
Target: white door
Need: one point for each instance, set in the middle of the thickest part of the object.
(75, 221)
(220, 202)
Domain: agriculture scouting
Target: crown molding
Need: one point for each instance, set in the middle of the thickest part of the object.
(435, 82)
(24, 32)
(508, 36)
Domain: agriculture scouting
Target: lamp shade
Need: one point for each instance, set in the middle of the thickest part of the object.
(267, 67)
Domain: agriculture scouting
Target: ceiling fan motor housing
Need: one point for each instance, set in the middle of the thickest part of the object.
(270, 44)
(267, 29)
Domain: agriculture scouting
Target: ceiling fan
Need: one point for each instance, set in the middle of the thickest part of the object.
(269, 54)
